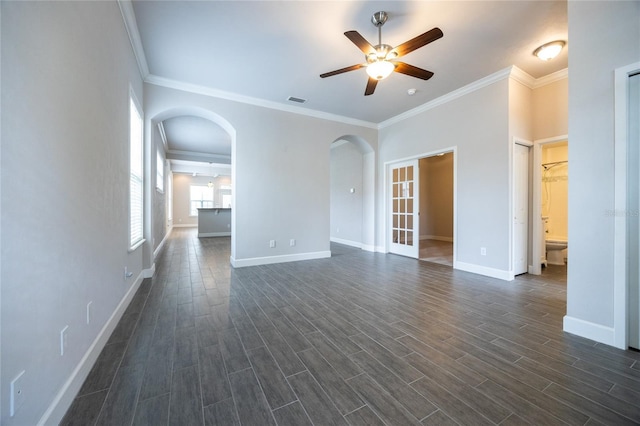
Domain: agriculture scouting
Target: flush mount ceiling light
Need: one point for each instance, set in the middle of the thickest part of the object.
(548, 51)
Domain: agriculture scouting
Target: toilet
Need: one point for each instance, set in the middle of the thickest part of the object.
(556, 251)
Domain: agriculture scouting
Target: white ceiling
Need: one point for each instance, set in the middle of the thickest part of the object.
(270, 50)
(189, 133)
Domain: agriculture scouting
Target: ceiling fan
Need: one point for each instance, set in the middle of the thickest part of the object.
(381, 59)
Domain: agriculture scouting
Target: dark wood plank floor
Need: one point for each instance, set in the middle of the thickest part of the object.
(359, 339)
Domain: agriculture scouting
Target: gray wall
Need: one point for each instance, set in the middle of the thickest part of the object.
(481, 137)
(611, 29)
(346, 170)
(281, 180)
(66, 73)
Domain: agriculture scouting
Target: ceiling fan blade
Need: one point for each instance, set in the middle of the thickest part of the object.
(341, 70)
(360, 41)
(407, 69)
(371, 86)
(418, 42)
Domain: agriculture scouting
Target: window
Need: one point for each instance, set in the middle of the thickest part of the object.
(136, 192)
(159, 172)
(201, 197)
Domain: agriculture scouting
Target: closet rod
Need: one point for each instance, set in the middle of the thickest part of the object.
(554, 163)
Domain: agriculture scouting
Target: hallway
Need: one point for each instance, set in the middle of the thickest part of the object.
(359, 338)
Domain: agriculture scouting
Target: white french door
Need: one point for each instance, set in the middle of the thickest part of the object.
(405, 236)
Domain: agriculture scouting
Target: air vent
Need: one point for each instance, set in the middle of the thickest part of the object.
(298, 100)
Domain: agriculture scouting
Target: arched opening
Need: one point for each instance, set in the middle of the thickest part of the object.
(352, 192)
(199, 147)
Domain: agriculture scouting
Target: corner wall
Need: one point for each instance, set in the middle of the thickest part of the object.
(67, 68)
(612, 30)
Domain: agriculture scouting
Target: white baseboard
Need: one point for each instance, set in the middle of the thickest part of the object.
(368, 247)
(158, 249)
(213, 234)
(346, 242)
(380, 249)
(484, 270)
(255, 261)
(71, 387)
(188, 225)
(589, 330)
(148, 273)
(436, 237)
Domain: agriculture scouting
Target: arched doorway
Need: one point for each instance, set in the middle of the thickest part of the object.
(352, 192)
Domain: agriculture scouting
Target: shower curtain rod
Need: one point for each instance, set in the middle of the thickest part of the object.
(554, 163)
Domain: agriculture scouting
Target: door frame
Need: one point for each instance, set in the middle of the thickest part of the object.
(388, 195)
(537, 229)
(621, 139)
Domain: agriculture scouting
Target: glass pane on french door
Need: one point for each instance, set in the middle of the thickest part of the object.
(405, 238)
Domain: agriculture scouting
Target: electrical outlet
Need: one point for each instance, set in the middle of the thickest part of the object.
(272, 243)
(292, 242)
(89, 312)
(16, 397)
(483, 251)
(63, 339)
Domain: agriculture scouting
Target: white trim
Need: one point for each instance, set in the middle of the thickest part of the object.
(158, 249)
(186, 225)
(213, 234)
(136, 245)
(551, 78)
(163, 135)
(215, 157)
(484, 270)
(380, 249)
(255, 261)
(129, 17)
(346, 242)
(68, 391)
(369, 247)
(149, 273)
(472, 87)
(620, 284)
(589, 330)
(208, 91)
(522, 77)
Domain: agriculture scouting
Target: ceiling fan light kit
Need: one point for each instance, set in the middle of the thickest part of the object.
(548, 51)
(381, 59)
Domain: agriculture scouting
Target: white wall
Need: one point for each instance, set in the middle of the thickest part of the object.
(481, 137)
(66, 72)
(346, 213)
(603, 36)
(281, 180)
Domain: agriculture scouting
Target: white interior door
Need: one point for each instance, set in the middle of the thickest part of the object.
(520, 208)
(405, 236)
(633, 207)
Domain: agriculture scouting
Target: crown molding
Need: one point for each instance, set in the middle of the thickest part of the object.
(175, 154)
(551, 78)
(216, 93)
(129, 17)
(522, 77)
(163, 135)
(472, 87)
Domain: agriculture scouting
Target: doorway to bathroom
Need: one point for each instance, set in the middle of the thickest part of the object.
(550, 206)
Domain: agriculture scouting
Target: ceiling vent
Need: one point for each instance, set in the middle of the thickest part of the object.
(298, 100)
